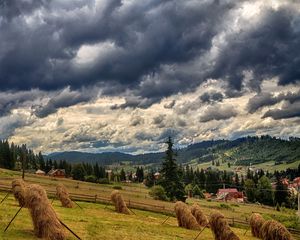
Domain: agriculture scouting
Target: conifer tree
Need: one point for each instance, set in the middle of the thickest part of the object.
(170, 178)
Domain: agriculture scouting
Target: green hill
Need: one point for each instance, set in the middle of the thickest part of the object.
(242, 151)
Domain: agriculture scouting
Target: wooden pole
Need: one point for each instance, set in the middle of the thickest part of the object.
(165, 220)
(13, 219)
(4, 198)
(69, 229)
(201, 231)
(77, 204)
(132, 211)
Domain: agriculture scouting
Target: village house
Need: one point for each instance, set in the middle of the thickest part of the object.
(156, 175)
(60, 173)
(230, 194)
(40, 172)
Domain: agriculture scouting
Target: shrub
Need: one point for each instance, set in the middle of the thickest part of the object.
(90, 178)
(226, 206)
(103, 181)
(158, 193)
(198, 192)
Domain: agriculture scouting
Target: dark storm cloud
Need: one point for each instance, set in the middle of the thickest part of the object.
(63, 99)
(218, 112)
(210, 97)
(14, 8)
(146, 35)
(135, 102)
(9, 124)
(269, 48)
(13, 100)
(170, 105)
(268, 99)
(152, 42)
(287, 111)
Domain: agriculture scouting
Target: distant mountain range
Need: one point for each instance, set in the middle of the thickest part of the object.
(242, 151)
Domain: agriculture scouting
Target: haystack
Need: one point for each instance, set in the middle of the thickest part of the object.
(273, 230)
(256, 222)
(184, 216)
(220, 227)
(19, 191)
(119, 202)
(199, 215)
(45, 222)
(63, 195)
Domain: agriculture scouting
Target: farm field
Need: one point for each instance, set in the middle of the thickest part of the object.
(98, 221)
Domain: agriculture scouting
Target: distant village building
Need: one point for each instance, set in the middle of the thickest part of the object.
(156, 175)
(40, 172)
(61, 173)
(296, 182)
(230, 194)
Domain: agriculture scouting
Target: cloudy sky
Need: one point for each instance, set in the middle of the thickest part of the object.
(105, 75)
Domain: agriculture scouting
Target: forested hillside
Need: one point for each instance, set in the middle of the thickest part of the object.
(241, 151)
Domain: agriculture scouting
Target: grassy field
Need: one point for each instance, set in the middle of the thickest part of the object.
(96, 222)
(267, 166)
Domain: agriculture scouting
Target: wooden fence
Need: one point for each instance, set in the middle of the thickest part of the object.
(141, 206)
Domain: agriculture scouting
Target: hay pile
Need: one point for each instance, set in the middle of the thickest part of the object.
(199, 215)
(63, 195)
(45, 222)
(184, 216)
(119, 202)
(19, 191)
(220, 227)
(256, 222)
(273, 230)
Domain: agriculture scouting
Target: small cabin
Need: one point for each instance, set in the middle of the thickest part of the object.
(40, 172)
(60, 173)
(230, 194)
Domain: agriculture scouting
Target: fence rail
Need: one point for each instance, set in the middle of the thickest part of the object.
(139, 205)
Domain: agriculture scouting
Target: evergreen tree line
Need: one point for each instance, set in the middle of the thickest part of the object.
(16, 157)
(138, 177)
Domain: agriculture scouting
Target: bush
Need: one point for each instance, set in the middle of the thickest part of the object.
(103, 181)
(118, 187)
(198, 192)
(158, 193)
(90, 178)
(226, 206)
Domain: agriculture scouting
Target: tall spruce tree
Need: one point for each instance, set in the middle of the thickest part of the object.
(170, 177)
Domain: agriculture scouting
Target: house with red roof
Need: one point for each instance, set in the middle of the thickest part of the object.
(230, 194)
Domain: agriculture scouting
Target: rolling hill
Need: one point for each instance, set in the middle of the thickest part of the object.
(241, 151)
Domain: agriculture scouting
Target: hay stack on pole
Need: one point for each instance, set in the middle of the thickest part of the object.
(19, 191)
(119, 202)
(63, 195)
(220, 227)
(273, 230)
(199, 215)
(45, 222)
(256, 222)
(184, 216)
